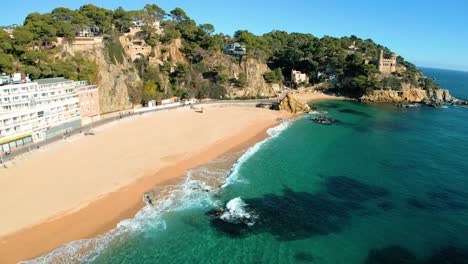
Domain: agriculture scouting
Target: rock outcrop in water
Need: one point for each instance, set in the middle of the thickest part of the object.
(410, 94)
(293, 105)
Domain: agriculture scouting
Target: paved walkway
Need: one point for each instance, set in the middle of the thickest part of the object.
(82, 129)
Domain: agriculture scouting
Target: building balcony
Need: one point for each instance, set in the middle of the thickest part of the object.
(19, 101)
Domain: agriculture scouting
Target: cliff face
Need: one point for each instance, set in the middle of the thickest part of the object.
(392, 96)
(253, 69)
(291, 104)
(407, 95)
(113, 80)
(440, 95)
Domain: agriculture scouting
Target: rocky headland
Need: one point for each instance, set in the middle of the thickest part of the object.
(408, 95)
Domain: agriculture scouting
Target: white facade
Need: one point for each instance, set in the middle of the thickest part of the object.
(31, 111)
(298, 77)
(137, 23)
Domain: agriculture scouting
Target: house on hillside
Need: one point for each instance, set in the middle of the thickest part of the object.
(235, 49)
(88, 32)
(298, 77)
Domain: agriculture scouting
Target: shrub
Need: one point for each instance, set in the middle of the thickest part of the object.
(391, 83)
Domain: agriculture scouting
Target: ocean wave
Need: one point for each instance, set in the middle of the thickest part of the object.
(236, 213)
(195, 192)
(190, 194)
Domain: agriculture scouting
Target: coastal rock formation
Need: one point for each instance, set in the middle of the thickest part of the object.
(440, 95)
(394, 96)
(291, 104)
(253, 70)
(408, 94)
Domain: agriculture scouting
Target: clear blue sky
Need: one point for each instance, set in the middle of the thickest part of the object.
(428, 33)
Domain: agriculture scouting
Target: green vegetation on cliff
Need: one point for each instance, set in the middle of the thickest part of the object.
(347, 64)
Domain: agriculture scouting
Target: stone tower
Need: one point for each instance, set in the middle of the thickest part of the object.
(387, 65)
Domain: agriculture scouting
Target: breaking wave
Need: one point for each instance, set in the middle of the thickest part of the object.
(236, 213)
(197, 191)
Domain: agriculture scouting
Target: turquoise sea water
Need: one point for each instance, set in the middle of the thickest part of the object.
(384, 185)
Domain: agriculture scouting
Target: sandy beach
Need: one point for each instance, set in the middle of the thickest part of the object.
(84, 187)
(311, 96)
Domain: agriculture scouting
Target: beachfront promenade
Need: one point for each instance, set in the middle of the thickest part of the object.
(88, 128)
(99, 180)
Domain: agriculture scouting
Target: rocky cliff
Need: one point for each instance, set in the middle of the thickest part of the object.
(408, 95)
(440, 95)
(254, 71)
(393, 96)
(113, 81)
(291, 104)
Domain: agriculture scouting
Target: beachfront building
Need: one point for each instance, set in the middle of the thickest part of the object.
(298, 77)
(31, 111)
(88, 100)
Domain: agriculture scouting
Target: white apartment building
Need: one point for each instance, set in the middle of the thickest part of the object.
(31, 111)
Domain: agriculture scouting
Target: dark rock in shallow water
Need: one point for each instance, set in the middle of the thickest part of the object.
(391, 255)
(418, 203)
(346, 188)
(300, 215)
(324, 120)
(433, 103)
(448, 199)
(231, 229)
(293, 216)
(397, 254)
(304, 257)
(443, 199)
(456, 101)
(386, 206)
(449, 255)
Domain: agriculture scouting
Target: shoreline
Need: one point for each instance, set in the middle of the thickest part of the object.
(123, 203)
(116, 206)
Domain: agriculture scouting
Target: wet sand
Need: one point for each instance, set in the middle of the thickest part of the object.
(85, 187)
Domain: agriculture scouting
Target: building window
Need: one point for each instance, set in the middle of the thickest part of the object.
(12, 145)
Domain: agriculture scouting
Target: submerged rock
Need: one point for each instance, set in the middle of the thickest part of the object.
(234, 213)
(324, 120)
(291, 104)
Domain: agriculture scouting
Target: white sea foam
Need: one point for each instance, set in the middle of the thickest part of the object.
(236, 212)
(234, 176)
(192, 193)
